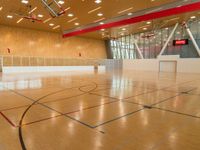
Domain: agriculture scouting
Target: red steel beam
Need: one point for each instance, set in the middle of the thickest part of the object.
(150, 16)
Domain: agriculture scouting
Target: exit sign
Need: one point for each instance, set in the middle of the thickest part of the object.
(180, 42)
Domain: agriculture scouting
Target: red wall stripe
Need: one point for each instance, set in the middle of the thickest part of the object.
(155, 15)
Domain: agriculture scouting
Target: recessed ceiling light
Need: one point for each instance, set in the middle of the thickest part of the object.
(1, 8)
(40, 15)
(9, 16)
(123, 29)
(98, 1)
(70, 15)
(101, 23)
(24, 1)
(129, 14)
(99, 14)
(102, 29)
(148, 22)
(61, 2)
(51, 24)
(76, 24)
(193, 17)
(144, 28)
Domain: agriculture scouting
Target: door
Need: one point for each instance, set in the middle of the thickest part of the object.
(168, 66)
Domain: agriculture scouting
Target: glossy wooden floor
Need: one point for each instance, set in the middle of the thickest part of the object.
(100, 111)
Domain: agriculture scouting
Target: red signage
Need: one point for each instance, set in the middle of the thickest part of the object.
(180, 42)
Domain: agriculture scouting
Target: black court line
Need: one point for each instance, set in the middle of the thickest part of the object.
(167, 99)
(123, 98)
(191, 94)
(176, 112)
(117, 118)
(179, 91)
(134, 103)
(153, 103)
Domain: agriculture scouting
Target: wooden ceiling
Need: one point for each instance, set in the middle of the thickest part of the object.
(84, 13)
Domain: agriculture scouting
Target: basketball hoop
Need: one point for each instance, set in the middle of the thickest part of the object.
(53, 7)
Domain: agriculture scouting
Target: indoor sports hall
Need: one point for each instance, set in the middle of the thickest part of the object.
(99, 75)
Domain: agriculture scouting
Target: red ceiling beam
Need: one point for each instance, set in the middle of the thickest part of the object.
(150, 16)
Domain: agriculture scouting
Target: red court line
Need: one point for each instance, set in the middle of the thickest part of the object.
(41, 120)
(8, 120)
(14, 108)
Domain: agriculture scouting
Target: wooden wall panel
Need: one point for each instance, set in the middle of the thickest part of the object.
(26, 42)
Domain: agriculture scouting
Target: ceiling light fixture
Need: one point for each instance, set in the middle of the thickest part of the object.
(47, 20)
(9, 16)
(193, 17)
(56, 27)
(24, 1)
(120, 12)
(72, 20)
(173, 19)
(99, 14)
(32, 10)
(40, 15)
(76, 24)
(61, 2)
(93, 10)
(129, 14)
(148, 22)
(67, 8)
(70, 15)
(144, 28)
(98, 1)
(20, 20)
(99, 20)
(51, 24)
